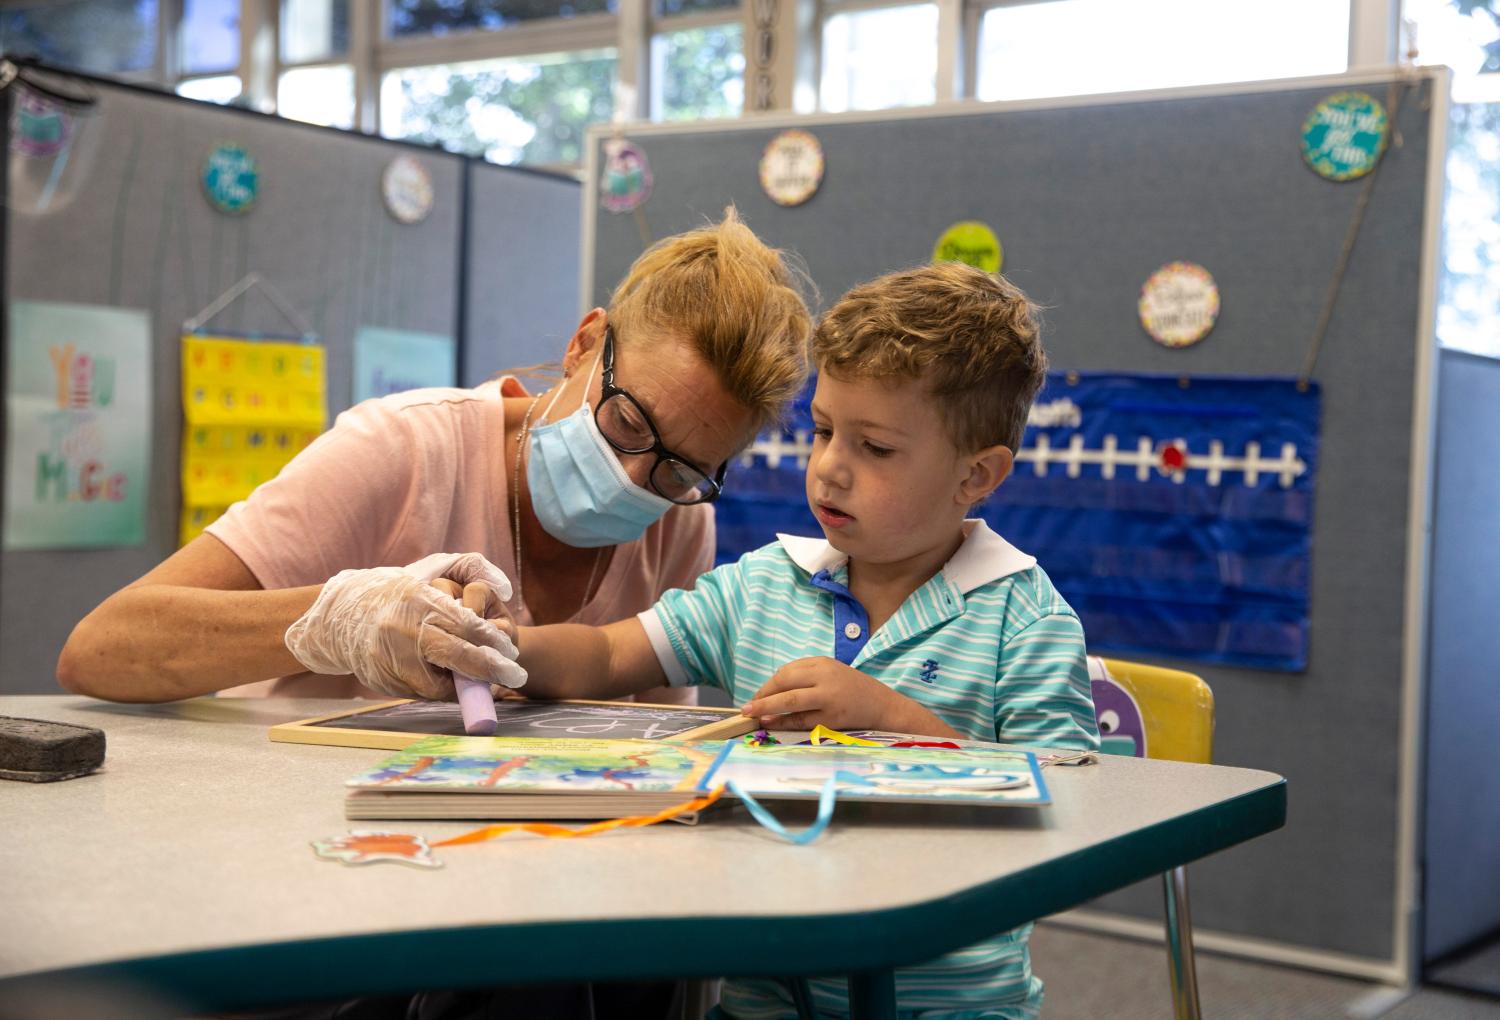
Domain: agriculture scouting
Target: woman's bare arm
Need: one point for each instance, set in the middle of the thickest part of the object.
(198, 622)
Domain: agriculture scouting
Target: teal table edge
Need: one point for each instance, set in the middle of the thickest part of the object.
(862, 944)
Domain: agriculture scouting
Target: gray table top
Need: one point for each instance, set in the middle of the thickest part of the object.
(184, 863)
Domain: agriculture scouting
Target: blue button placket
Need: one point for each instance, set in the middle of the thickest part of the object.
(851, 624)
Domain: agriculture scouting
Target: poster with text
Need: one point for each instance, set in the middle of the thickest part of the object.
(78, 446)
(1174, 515)
(249, 406)
(390, 361)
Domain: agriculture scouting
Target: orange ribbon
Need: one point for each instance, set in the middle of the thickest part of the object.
(563, 832)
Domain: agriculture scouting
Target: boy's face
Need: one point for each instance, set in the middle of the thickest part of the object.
(884, 478)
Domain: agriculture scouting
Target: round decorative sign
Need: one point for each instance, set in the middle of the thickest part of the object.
(407, 188)
(1344, 136)
(626, 182)
(230, 179)
(970, 242)
(40, 128)
(791, 168)
(1179, 304)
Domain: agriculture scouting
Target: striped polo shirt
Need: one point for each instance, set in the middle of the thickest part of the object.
(987, 645)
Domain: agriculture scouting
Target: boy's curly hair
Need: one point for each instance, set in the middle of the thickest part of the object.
(971, 337)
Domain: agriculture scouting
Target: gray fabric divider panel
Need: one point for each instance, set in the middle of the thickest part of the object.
(1088, 201)
(142, 235)
(523, 269)
(1463, 709)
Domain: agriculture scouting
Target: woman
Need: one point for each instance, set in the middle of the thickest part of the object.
(591, 496)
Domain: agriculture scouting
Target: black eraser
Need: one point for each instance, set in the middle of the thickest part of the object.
(38, 751)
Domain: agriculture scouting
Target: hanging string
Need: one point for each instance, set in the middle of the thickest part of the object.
(224, 300)
(1394, 96)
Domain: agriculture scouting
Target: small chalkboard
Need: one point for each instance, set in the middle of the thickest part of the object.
(392, 725)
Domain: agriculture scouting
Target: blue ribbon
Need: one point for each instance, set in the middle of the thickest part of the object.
(813, 831)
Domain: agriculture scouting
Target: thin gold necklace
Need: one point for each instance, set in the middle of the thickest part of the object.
(515, 515)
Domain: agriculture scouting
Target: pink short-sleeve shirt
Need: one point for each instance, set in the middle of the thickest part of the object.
(426, 471)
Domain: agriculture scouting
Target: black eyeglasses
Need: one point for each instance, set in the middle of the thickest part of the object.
(627, 427)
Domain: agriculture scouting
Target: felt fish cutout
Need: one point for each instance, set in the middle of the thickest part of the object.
(370, 847)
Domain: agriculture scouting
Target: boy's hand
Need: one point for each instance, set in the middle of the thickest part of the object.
(822, 691)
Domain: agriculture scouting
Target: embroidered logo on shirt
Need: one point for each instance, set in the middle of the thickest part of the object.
(929, 671)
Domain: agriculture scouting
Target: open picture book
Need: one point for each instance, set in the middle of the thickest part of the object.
(542, 778)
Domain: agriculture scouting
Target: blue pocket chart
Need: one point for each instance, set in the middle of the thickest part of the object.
(1174, 514)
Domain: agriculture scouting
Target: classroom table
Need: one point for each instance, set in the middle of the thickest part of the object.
(180, 875)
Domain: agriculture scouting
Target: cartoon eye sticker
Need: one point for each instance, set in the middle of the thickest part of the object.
(1109, 721)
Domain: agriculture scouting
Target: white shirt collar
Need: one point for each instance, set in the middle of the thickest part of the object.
(983, 557)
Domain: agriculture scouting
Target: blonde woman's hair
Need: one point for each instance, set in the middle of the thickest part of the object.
(971, 337)
(739, 303)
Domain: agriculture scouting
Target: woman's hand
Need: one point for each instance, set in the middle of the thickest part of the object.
(483, 587)
(820, 691)
(475, 595)
(400, 636)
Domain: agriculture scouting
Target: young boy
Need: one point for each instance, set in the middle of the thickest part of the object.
(906, 616)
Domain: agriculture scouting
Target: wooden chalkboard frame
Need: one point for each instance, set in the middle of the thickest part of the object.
(719, 724)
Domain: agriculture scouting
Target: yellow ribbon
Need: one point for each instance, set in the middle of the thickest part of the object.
(821, 733)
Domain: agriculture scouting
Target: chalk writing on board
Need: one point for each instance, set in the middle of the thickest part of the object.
(517, 718)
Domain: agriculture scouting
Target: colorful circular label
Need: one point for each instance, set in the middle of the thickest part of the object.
(39, 127)
(230, 179)
(791, 168)
(625, 183)
(1344, 136)
(970, 242)
(1179, 304)
(407, 188)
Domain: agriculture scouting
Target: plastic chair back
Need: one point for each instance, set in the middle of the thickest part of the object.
(1152, 712)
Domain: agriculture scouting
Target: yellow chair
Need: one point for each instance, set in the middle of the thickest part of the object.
(1152, 712)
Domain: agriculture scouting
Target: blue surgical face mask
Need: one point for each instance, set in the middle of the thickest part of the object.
(579, 488)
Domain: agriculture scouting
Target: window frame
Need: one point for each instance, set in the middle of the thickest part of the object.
(630, 31)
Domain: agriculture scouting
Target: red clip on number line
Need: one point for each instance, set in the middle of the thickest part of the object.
(563, 832)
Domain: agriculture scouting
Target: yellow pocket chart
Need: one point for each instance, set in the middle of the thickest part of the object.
(248, 407)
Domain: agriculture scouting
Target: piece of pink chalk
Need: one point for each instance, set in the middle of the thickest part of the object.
(477, 705)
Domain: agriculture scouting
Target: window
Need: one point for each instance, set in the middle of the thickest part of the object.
(314, 30)
(1077, 47)
(667, 8)
(220, 88)
(210, 35)
(439, 17)
(1468, 315)
(698, 72)
(878, 58)
(1468, 43)
(521, 110)
(318, 95)
(98, 36)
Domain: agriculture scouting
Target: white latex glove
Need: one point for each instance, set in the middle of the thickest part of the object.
(464, 569)
(456, 575)
(399, 635)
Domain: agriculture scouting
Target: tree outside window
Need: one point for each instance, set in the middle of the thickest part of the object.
(525, 110)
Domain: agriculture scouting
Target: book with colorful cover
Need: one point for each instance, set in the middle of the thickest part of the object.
(544, 778)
